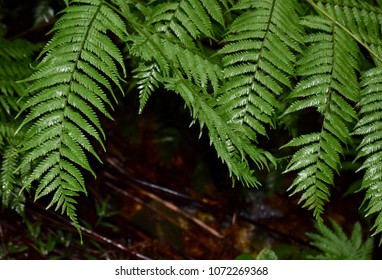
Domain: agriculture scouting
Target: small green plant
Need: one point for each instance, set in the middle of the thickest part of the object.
(334, 244)
(264, 254)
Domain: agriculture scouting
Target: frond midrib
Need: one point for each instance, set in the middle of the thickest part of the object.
(75, 69)
(256, 66)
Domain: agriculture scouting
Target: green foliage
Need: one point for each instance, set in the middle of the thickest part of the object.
(329, 85)
(243, 69)
(10, 182)
(71, 81)
(193, 74)
(258, 61)
(335, 245)
(370, 148)
(15, 57)
(266, 254)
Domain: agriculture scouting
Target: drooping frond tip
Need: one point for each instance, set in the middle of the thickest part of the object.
(330, 86)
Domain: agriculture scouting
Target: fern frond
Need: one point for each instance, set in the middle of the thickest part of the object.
(10, 181)
(176, 60)
(231, 144)
(258, 62)
(329, 85)
(9, 185)
(335, 245)
(15, 57)
(195, 67)
(194, 76)
(69, 86)
(370, 149)
(358, 18)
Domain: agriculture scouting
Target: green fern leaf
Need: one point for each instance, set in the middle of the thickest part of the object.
(202, 71)
(79, 65)
(328, 67)
(336, 245)
(10, 183)
(258, 62)
(15, 57)
(360, 19)
(195, 66)
(231, 144)
(196, 78)
(369, 127)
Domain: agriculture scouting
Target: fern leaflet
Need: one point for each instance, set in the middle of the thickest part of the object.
(148, 76)
(186, 20)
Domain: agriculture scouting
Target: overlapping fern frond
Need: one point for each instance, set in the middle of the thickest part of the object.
(330, 86)
(177, 28)
(10, 181)
(70, 86)
(196, 77)
(370, 149)
(258, 62)
(360, 19)
(15, 57)
(231, 144)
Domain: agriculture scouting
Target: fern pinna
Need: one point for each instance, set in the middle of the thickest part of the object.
(67, 90)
